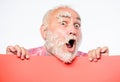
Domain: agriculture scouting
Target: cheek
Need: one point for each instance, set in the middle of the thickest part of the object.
(79, 35)
(60, 32)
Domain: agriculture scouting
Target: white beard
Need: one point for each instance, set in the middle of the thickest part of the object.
(55, 46)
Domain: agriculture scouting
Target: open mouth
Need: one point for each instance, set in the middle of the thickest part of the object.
(70, 43)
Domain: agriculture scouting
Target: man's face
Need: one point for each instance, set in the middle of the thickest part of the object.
(64, 34)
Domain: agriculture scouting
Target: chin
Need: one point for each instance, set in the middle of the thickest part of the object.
(66, 57)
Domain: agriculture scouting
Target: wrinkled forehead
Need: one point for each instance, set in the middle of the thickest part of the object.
(66, 13)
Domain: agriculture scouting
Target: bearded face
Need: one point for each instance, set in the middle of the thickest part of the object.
(63, 34)
(56, 46)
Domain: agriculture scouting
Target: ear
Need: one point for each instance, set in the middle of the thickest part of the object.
(43, 30)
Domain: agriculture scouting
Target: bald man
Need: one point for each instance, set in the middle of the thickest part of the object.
(61, 30)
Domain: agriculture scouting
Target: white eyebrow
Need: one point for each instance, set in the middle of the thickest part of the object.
(64, 14)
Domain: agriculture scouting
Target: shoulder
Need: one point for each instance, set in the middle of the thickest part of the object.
(37, 51)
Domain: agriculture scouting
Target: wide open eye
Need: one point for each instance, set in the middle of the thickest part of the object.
(76, 25)
(63, 23)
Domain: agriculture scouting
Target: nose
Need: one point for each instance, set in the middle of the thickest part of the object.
(72, 31)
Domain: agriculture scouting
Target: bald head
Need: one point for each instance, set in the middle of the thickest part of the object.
(61, 11)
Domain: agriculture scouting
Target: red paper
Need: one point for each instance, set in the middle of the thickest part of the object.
(50, 69)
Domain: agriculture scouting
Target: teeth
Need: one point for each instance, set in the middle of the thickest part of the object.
(68, 38)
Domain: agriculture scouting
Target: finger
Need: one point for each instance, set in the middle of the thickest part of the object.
(93, 53)
(27, 55)
(10, 50)
(98, 50)
(23, 53)
(90, 55)
(18, 49)
(105, 51)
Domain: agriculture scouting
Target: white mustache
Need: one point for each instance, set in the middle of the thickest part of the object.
(70, 37)
(55, 38)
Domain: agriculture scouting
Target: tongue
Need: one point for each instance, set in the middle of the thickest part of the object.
(69, 46)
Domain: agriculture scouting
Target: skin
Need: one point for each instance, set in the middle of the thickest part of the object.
(61, 26)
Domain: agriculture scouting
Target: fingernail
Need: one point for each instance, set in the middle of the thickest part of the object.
(22, 57)
(18, 54)
(90, 59)
(98, 56)
(27, 56)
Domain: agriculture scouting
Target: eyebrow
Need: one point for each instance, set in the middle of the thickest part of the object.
(78, 18)
(66, 16)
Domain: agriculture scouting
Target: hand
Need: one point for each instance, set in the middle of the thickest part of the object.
(95, 54)
(21, 52)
